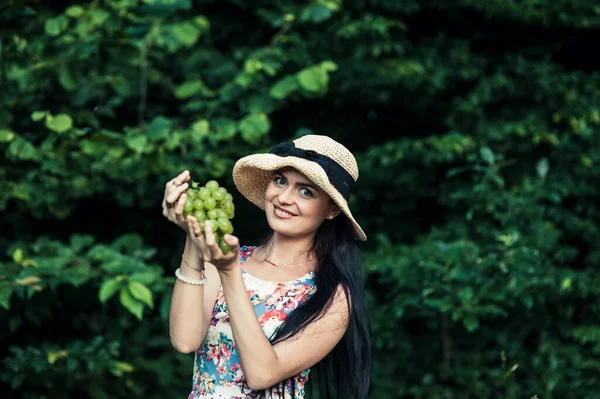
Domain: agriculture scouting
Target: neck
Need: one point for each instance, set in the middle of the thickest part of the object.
(285, 250)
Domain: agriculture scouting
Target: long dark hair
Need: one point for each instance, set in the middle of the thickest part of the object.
(345, 372)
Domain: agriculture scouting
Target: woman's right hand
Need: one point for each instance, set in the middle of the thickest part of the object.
(174, 200)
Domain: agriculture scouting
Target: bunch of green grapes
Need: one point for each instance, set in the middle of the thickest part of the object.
(213, 203)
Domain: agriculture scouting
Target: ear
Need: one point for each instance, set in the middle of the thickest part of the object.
(334, 212)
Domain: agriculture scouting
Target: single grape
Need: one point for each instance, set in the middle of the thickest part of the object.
(221, 214)
(225, 226)
(200, 216)
(219, 193)
(212, 185)
(228, 197)
(225, 248)
(213, 214)
(203, 193)
(227, 206)
(231, 215)
(191, 193)
(223, 223)
(198, 204)
(210, 203)
(195, 184)
(189, 205)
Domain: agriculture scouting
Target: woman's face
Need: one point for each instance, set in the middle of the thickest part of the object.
(294, 205)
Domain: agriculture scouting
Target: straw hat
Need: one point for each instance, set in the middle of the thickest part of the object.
(321, 159)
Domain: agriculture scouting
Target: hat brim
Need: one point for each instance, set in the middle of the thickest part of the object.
(253, 173)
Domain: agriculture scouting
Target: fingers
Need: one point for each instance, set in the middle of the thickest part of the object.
(233, 242)
(168, 199)
(177, 181)
(179, 208)
(214, 247)
(180, 179)
(210, 235)
(193, 225)
(195, 234)
(174, 192)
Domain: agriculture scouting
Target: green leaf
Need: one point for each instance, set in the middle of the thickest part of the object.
(80, 242)
(53, 356)
(255, 126)
(260, 104)
(75, 11)
(284, 87)
(136, 142)
(147, 277)
(55, 26)
(466, 294)
(317, 14)
(226, 128)
(22, 149)
(201, 128)
(487, 155)
(134, 306)
(108, 289)
(542, 168)
(252, 66)
(202, 22)
(312, 79)
(6, 135)
(18, 256)
(471, 323)
(189, 89)
(66, 80)
(141, 292)
(159, 128)
(59, 123)
(37, 116)
(329, 66)
(186, 33)
(99, 16)
(124, 367)
(5, 294)
(315, 79)
(128, 242)
(162, 8)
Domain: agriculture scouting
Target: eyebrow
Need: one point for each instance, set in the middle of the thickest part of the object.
(309, 185)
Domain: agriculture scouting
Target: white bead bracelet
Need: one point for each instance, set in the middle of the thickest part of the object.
(187, 280)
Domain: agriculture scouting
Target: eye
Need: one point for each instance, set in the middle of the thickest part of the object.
(306, 192)
(279, 181)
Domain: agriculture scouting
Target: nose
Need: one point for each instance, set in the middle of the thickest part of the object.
(286, 196)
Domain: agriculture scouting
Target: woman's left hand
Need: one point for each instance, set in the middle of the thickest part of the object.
(212, 253)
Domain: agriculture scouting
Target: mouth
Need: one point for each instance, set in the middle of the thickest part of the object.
(282, 213)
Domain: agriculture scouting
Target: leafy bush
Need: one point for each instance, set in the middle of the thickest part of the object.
(475, 125)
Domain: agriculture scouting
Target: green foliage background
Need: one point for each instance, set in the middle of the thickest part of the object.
(475, 124)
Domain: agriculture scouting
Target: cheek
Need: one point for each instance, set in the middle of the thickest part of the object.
(270, 193)
(315, 209)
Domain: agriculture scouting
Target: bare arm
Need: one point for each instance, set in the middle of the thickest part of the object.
(264, 364)
(191, 305)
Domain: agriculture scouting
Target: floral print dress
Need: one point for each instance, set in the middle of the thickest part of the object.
(217, 369)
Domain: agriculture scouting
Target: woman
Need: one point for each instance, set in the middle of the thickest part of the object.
(260, 318)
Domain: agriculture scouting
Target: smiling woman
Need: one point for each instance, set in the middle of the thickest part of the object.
(270, 314)
(296, 207)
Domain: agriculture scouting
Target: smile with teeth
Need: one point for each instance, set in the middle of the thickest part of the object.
(280, 212)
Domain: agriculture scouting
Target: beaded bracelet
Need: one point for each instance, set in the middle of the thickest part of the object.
(187, 280)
